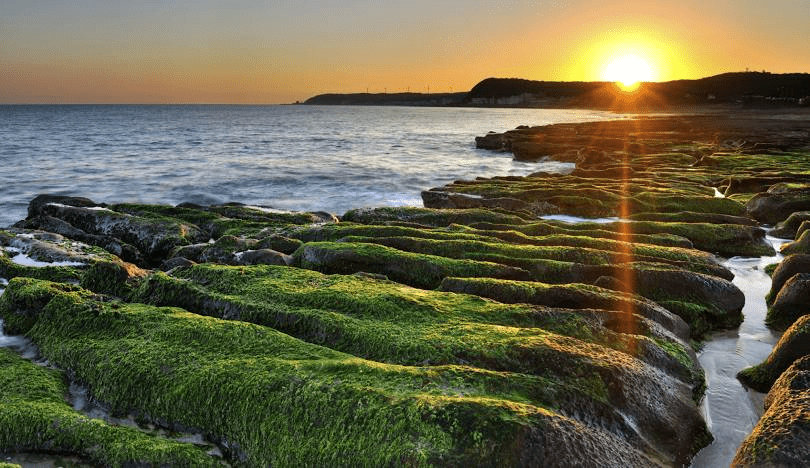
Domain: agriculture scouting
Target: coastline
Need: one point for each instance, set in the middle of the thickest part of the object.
(506, 338)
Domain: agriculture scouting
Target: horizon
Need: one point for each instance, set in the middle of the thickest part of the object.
(92, 52)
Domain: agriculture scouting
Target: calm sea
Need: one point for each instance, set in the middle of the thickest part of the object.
(286, 157)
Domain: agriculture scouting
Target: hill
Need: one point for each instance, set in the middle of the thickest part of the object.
(755, 89)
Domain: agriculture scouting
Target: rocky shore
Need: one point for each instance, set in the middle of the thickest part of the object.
(477, 330)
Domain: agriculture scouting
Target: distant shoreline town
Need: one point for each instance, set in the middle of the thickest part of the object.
(746, 89)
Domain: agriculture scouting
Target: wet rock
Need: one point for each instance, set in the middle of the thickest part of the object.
(408, 268)
(791, 265)
(778, 203)
(46, 246)
(535, 151)
(176, 262)
(781, 438)
(792, 302)
(111, 244)
(492, 141)
(155, 238)
(788, 228)
(261, 257)
(280, 243)
(800, 245)
(793, 345)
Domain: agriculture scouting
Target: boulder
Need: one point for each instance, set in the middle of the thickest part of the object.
(793, 345)
(782, 436)
(791, 265)
(788, 228)
(800, 245)
(778, 203)
(792, 302)
(261, 257)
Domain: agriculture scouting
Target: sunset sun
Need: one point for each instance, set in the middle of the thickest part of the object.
(628, 71)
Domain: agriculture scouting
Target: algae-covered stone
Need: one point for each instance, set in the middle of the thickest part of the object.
(409, 268)
(792, 302)
(794, 344)
(788, 228)
(791, 265)
(34, 417)
(800, 246)
(573, 296)
(279, 401)
(779, 202)
(780, 438)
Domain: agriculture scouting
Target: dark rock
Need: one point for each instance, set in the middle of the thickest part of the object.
(35, 205)
(793, 345)
(155, 238)
(792, 302)
(535, 151)
(778, 203)
(791, 265)
(111, 244)
(279, 243)
(261, 257)
(610, 282)
(492, 141)
(447, 200)
(788, 228)
(782, 436)
(176, 262)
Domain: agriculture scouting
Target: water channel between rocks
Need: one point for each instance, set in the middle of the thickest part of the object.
(731, 411)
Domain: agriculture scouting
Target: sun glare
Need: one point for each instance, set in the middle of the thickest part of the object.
(628, 71)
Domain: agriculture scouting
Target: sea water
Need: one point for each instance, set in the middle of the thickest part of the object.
(329, 158)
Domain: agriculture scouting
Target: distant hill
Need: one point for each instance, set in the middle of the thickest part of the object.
(386, 99)
(756, 89)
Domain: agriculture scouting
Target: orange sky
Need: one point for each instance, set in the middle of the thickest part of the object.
(251, 51)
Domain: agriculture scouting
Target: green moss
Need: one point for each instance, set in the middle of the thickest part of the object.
(34, 417)
(281, 401)
(415, 269)
(572, 249)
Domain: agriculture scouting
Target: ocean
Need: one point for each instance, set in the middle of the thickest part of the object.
(297, 158)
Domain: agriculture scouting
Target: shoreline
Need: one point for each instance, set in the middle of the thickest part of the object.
(469, 324)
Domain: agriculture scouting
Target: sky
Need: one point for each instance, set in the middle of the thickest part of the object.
(251, 51)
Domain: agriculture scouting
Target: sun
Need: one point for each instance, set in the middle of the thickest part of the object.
(628, 71)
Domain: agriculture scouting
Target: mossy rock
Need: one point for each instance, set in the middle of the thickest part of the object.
(800, 246)
(794, 344)
(792, 302)
(277, 400)
(788, 228)
(421, 270)
(34, 417)
(784, 270)
(429, 217)
(780, 437)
